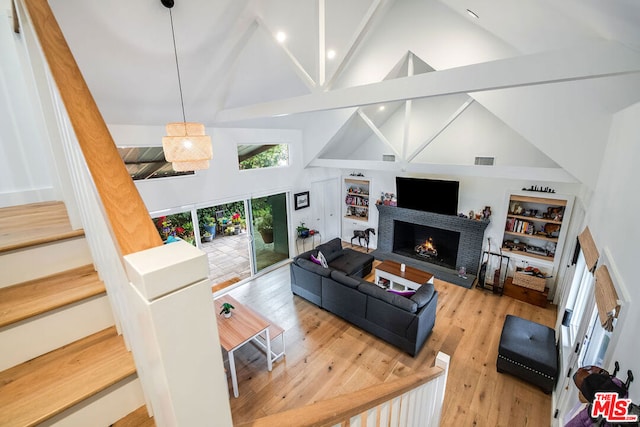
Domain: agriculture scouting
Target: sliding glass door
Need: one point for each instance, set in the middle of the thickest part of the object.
(241, 237)
(270, 230)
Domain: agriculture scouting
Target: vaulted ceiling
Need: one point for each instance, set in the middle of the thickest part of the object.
(532, 82)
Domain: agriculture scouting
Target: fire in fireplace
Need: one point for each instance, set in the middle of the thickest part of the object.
(429, 244)
(427, 249)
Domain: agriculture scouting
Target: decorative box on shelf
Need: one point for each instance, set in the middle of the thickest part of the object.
(526, 280)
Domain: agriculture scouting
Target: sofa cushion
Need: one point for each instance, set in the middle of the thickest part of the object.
(423, 295)
(343, 279)
(351, 261)
(391, 298)
(331, 249)
(313, 267)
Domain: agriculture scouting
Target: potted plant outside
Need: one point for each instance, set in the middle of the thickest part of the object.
(226, 309)
(210, 226)
(236, 221)
(264, 223)
(207, 237)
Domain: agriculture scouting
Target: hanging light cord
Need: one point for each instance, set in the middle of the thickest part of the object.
(175, 51)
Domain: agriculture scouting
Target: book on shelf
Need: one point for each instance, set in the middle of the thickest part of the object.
(519, 226)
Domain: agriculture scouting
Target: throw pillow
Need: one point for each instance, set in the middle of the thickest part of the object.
(314, 259)
(323, 260)
(406, 294)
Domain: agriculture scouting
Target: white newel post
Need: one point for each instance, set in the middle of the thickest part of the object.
(175, 336)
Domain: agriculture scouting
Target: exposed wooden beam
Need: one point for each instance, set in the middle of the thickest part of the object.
(502, 172)
(377, 131)
(441, 129)
(597, 60)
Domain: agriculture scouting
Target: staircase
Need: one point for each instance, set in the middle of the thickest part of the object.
(62, 361)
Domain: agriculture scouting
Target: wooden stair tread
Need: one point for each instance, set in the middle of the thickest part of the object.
(34, 224)
(138, 418)
(47, 385)
(24, 300)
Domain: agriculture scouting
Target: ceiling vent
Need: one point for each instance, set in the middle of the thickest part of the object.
(485, 161)
(388, 158)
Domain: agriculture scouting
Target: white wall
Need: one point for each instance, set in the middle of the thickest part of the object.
(224, 181)
(475, 132)
(26, 175)
(475, 193)
(613, 220)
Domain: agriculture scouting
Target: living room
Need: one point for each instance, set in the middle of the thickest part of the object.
(581, 147)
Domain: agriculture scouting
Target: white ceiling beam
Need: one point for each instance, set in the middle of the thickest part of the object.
(441, 129)
(363, 29)
(501, 172)
(293, 61)
(407, 111)
(594, 61)
(322, 34)
(377, 131)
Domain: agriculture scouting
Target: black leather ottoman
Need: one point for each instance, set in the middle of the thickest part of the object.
(528, 351)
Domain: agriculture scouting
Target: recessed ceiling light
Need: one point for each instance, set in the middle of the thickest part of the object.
(472, 13)
(281, 36)
(381, 108)
(331, 54)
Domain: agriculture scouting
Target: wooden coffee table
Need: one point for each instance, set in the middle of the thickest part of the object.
(410, 278)
(243, 326)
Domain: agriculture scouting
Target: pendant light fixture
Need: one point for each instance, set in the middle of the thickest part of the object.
(186, 146)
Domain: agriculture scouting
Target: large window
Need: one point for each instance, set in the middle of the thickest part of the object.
(147, 163)
(240, 238)
(579, 296)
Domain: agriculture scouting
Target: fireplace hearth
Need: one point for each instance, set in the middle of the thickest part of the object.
(462, 248)
(429, 244)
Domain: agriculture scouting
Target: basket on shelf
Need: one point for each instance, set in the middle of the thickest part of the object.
(528, 281)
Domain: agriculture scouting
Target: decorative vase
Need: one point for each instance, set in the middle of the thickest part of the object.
(227, 315)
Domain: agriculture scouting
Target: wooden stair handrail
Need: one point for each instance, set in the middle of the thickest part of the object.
(332, 411)
(126, 212)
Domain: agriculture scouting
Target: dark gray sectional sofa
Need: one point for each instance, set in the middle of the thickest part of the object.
(403, 322)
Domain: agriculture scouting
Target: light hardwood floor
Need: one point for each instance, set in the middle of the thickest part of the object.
(327, 356)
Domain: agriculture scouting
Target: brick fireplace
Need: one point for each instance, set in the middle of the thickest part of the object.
(458, 242)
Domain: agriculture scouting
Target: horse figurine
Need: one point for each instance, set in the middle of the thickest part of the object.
(363, 234)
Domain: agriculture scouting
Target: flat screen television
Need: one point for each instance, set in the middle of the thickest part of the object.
(429, 195)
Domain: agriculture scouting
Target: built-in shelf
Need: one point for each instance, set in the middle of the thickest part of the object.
(356, 202)
(535, 230)
(357, 198)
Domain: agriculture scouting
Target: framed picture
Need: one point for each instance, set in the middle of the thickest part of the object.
(301, 200)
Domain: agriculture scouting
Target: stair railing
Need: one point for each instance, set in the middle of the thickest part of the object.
(159, 301)
(156, 314)
(412, 401)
